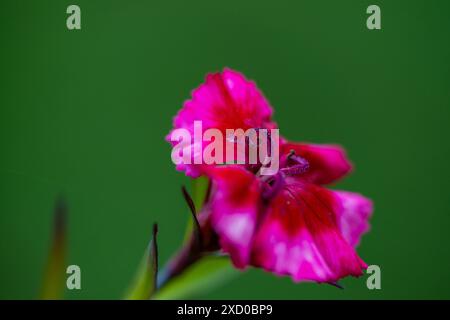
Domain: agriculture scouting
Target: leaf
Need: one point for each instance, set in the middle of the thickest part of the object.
(195, 224)
(199, 191)
(203, 276)
(53, 280)
(144, 284)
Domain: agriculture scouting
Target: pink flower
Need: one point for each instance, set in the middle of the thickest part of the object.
(226, 100)
(289, 224)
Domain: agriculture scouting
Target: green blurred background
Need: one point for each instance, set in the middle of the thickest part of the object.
(84, 113)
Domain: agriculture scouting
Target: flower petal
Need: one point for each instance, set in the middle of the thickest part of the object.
(353, 212)
(226, 100)
(299, 237)
(327, 163)
(234, 210)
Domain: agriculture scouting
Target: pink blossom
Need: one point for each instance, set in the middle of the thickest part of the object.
(287, 223)
(226, 100)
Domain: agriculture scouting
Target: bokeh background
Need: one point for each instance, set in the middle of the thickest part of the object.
(84, 113)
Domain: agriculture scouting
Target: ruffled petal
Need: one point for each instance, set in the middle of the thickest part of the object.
(327, 163)
(353, 212)
(234, 210)
(299, 236)
(226, 100)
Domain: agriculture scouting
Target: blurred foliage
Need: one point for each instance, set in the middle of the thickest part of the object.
(144, 284)
(54, 280)
(200, 278)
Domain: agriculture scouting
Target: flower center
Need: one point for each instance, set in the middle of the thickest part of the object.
(292, 165)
